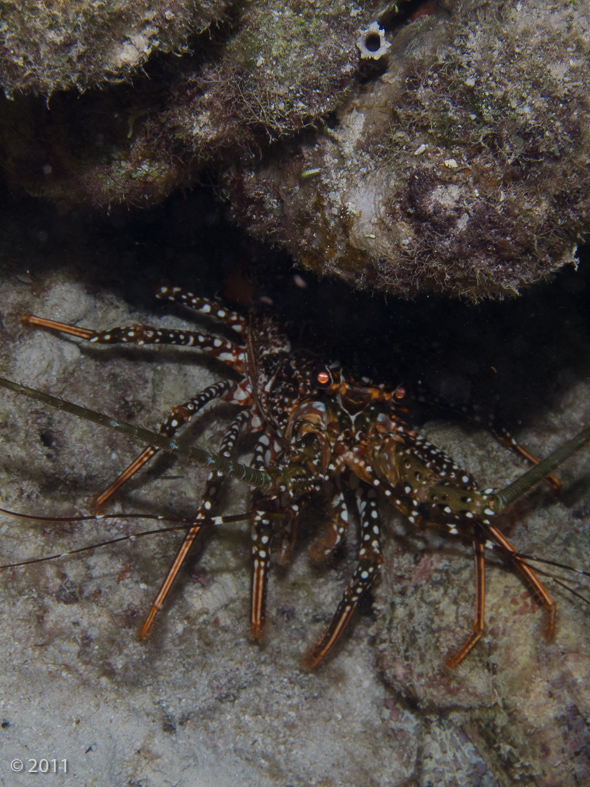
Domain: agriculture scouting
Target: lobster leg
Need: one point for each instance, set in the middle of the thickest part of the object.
(179, 416)
(261, 542)
(140, 335)
(288, 535)
(504, 437)
(480, 600)
(263, 510)
(228, 352)
(206, 306)
(527, 571)
(335, 530)
(531, 578)
(238, 426)
(370, 559)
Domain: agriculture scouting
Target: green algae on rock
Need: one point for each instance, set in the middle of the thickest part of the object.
(46, 45)
(455, 162)
(461, 170)
(267, 73)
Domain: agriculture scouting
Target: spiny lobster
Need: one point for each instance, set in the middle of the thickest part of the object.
(318, 432)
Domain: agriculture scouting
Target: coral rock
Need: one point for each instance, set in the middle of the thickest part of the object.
(47, 46)
(267, 73)
(460, 170)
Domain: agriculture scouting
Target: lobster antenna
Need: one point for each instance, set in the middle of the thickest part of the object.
(186, 525)
(527, 480)
(250, 475)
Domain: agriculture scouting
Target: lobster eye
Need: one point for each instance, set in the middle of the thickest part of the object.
(322, 377)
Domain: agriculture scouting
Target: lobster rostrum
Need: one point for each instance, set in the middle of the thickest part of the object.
(318, 432)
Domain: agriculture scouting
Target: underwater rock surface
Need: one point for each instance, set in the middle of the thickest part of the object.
(461, 170)
(444, 151)
(46, 45)
(263, 74)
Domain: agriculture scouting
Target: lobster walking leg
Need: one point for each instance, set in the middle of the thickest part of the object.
(261, 546)
(210, 308)
(504, 437)
(180, 415)
(480, 600)
(239, 425)
(478, 622)
(531, 577)
(334, 531)
(226, 351)
(370, 558)
(140, 335)
(264, 508)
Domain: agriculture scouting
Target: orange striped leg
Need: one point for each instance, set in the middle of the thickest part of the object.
(202, 518)
(205, 306)
(531, 577)
(506, 439)
(370, 559)
(264, 509)
(261, 543)
(529, 574)
(180, 415)
(62, 327)
(288, 534)
(335, 530)
(232, 354)
(171, 576)
(502, 435)
(480, 600)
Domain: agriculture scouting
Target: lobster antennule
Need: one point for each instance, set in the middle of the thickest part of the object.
(254, 477)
